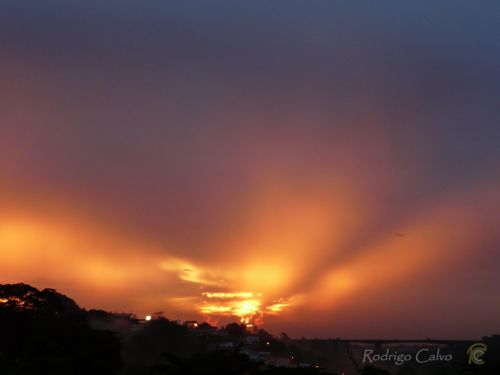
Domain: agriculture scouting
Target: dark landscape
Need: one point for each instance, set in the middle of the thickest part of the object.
(45, 332)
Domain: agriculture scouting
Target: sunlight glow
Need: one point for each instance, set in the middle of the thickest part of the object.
(277, 307)
(243, 305)
(247, 308)
(229, 295)
(211, 309)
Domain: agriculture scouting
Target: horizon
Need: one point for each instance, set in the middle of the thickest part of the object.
(323, 170)
(252, 330)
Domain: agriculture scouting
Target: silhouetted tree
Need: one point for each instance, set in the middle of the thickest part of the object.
(47, 333)
(235, 331)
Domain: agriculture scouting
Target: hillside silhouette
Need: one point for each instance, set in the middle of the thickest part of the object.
(46, 332)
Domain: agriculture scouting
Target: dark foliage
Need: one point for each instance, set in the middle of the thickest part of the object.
(235, 331)
(44, 332)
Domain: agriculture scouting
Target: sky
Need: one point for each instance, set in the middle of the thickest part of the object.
(324, 169)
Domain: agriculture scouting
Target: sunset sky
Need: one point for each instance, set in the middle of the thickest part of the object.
(321, 168)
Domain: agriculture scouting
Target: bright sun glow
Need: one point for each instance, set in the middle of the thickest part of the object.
(248, 307)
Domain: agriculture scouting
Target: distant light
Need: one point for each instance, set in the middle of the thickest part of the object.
(195, 325)
(268, 343)
(148, 317)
